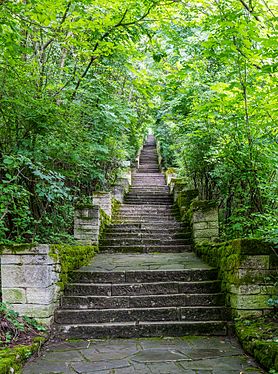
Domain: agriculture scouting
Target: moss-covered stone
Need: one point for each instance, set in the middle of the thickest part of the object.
(236, 268)
(203, 205)
(259, 337)
(16, 248)
(12, 359)
(71, 257)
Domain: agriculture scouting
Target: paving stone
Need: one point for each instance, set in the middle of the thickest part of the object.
(93, 367)
(158, 355)
(198, 355)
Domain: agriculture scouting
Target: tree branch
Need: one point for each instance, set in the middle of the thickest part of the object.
(104, 36)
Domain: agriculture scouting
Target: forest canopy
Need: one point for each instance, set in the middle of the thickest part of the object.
(81, 81)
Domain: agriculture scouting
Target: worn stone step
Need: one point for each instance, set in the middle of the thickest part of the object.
(154, 288)
(151, 235)
(142, 301)
(147, 248)
(140, 241)
(144, 221)
(149, 225)
(145, 276)
(143, 218)
(147, 201)
(143, 329)
(68, 316)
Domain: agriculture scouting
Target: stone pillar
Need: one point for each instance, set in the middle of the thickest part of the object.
(179, 186)
(253, 287)
(118, 192)
(205, 222)
(124, 182)
(29, 276)
(104, 201)
(170, 175)
(126, 172)
(87, 224)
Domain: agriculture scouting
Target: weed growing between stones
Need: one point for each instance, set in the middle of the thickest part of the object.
(15, 329)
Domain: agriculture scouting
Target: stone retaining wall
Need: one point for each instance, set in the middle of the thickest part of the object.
(31, 274)
(248, 268)
(29, 280)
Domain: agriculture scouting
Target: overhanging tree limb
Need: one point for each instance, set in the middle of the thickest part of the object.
(104, 36)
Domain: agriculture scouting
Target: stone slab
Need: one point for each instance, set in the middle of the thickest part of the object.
(27, 276)
(192, 355)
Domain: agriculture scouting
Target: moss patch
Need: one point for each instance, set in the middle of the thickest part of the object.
(16, 248)
(12, 359)
(259, 337)
(71, 257)
(203, 205)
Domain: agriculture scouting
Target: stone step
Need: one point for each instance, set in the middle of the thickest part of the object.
(195, 313)
(147, 201)
(144, 217)
(132, 289)
(146, 248)
(142, 301)
(134, 242)
(147, 235)
(142, 189)
(152, 227)
(144, 221)
(145, 276)
(143, 329)
(142, 209)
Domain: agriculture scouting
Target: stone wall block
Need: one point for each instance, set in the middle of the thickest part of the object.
(14, 295)
(104, 201)
(87, 224)
(255, 262)
(26, 276)
(43, 296)
(119, 192)
(29, 281)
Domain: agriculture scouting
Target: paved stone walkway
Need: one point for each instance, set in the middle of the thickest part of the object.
(189, 355)
(151, 261)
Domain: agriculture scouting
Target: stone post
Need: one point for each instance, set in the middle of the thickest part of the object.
(124, 182)
(29, 276)
(254, 284)
(118, 193)
(205, 222)
(104, 201)
(170, 175)
(87, 224)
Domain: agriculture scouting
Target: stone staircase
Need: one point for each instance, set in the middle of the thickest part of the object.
(145, 281)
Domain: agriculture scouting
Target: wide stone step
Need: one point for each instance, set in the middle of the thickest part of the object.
(143, 329)
(160, 223)
(147, 248)
(195, 313)
(142, 301)
(147, 235)
(143, 276)
(132, 289)
(144, 217)
(147, 209)
(147, 227)
(139, 241)
(147, 202)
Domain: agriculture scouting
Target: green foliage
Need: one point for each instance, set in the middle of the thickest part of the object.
(73, 107)
(218, 109)
(14, 328)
